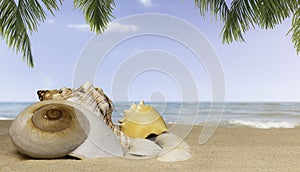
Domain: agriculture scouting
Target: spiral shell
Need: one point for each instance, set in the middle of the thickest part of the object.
(49, 129)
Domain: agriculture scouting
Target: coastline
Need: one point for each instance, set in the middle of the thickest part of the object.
(230, 149)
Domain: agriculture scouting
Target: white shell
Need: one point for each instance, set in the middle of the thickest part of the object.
(174, 148)
(174, 155)
(101, 141)
(170, 140)
(144, 147)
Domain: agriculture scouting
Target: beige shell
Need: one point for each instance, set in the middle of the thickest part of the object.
(174, 155)
(49, 129)
(170, 140)
(144, 148)
(174, 148)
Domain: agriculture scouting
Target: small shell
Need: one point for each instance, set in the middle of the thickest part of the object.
(170, 140)
(174, 155)
(49, 129)
(174, 148)
(144, 147)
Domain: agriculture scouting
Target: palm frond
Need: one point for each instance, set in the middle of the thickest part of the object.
(296, 30)
(97, 13)
(217, 8)
(270, 13)
(240, 17)
(51, 5)
(17, 19)
(245, 14)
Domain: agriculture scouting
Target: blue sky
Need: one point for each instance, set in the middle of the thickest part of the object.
(264, 68)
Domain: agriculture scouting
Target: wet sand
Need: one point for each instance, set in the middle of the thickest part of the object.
(230, 149)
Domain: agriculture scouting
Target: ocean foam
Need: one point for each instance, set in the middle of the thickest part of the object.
(5, 118)
(263, 125)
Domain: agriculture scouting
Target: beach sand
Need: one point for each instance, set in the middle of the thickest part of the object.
(230, 149)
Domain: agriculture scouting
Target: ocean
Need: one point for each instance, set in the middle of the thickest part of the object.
(263, 115)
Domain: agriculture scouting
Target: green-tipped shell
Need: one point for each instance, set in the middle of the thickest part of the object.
(49, 129)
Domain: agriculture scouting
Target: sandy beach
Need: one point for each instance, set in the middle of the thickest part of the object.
(230, 149)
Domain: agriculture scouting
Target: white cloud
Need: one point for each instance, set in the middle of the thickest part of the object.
(50, 21)
(113, 27)
(79, 27)
(117, 27)
(47, 80)
(146, 3)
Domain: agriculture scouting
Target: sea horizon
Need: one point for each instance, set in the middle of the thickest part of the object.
(263, 115)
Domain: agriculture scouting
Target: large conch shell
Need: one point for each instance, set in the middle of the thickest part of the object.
(141, 121)
(55, 128)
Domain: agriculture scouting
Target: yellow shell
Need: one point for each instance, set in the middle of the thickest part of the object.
(141, 120)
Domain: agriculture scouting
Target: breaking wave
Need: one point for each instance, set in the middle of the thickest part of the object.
(264, 125)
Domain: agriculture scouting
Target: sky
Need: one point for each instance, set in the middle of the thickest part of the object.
(264, 68)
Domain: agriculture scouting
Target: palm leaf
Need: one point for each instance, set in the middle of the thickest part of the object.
(17, 19)
(217, 8)
(97, 13)
(246, 14)
(296, 30)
